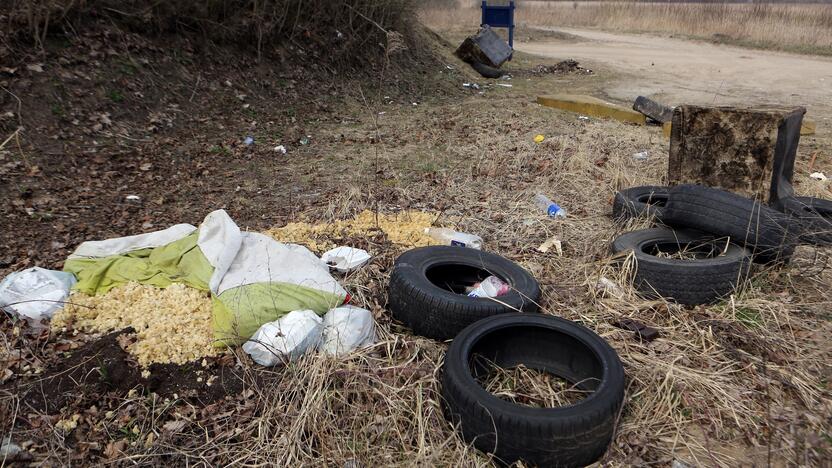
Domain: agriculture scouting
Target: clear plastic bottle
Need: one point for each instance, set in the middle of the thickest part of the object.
(451, 237)
(548, 206)
(490, 287)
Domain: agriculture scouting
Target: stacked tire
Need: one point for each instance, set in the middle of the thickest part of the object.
(637, 202)
(709, 239)
(813, 216)
(712, 269)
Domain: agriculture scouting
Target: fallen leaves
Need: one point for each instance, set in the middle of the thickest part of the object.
(175, 426)
(115, 448)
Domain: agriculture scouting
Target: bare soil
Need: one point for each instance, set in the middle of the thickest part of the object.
(680, 71)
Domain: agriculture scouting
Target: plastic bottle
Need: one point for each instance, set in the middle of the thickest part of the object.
(451, 237)
(548, 206)
(490, 287)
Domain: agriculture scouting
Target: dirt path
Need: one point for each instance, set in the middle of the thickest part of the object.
(686, 71)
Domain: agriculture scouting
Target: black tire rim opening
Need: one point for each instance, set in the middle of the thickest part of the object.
(695, 250)
(568, 359)
(458, 277)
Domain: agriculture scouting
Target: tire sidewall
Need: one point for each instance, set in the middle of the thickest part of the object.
(610, 392)
(637, 240)
(414, 265)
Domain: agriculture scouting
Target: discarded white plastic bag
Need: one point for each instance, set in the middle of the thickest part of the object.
(345, 259)
(35, 293)
(347, 328)
(285, 339)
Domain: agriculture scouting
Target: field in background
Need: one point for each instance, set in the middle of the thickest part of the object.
(804, 28)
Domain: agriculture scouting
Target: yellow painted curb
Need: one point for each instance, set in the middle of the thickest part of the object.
(589, 105)
(666, 127)
(807, 128)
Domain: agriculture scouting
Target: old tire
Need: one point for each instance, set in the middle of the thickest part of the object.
(574, 435)
(635, 202)
(702, 280)
(814, 216)
(766, 232)
(487, 71)
(426, 290)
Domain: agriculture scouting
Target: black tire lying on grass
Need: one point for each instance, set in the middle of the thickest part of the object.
(767, 233)
(814, 216)
(427, 289)
(574, 435)
(686, 266)
(487, 71)
(636, 202)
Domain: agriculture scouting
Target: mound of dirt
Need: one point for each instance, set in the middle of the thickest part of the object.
(103, 367)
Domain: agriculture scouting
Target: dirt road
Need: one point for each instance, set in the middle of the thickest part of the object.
(685, 71)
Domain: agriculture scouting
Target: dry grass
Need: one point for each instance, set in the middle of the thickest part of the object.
(724, 385)
(805, 28)
(729, 384)
(529, 387)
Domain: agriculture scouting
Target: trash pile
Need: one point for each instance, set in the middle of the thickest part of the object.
(341, 330)
(710, 237)
(188, 292)
(564, 66)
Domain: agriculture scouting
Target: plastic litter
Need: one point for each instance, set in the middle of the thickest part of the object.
(285, 339)
(35, 293)
(280, 149)
(248, 141)
(347, 328)
(345, 259)
(584, 118)
(490, 287)
(548, 206)
(818, 176)
(539, 139)
(505, 85)
(641, 156)
(133, 198)
(451, 237)
(471, 85)
(305, 140)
